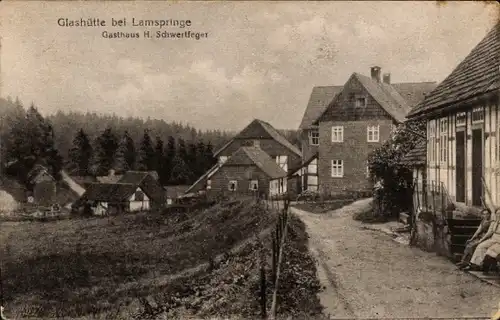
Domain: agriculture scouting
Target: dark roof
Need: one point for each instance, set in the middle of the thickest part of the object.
(109, 192)
(414, 92)
(396, 99)
(37, 172)
(417, 156)
(271, 131)
(258, 157)
(318, 102)
(135, 177)
(477, 74)
(84, 180)
(175, 191)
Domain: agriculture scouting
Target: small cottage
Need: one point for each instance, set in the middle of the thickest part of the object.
(114, 198)
(249, 169)
(174, 192)
(43, 186)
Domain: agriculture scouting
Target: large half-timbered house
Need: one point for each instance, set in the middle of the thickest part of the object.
(463, 126)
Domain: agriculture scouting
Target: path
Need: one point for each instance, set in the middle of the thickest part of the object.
(366, 274)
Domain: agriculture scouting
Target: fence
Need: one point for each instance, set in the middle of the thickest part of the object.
(277, 245)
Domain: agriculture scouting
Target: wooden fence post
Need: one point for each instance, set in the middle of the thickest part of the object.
(263, 290)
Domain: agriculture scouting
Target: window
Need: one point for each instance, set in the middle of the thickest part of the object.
(222, 159)
(233, 185)
(139, 195)
(338, 134)
(314, 137)
(443, 140)
(282, 161)
(461, 119)
(209, 184)
(432, 140)
(254, 185)
(337, 169)
(478, 115)
(373, 133)
(360, 102)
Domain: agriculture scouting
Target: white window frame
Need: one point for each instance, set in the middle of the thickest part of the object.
(443, 140)
(313, 137)
(253, 183)
(375, 132)
(337, 168)
(461, 119)
(231, 182)
(432, 141)
(338, 134)
(478, 115)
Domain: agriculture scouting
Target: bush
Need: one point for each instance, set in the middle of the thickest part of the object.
(394, 175)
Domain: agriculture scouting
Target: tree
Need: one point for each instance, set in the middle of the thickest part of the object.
(80, 155)
(125, 154)
(394, 175)
(106, 147)
(159, 160)
(170, 154)
(30, 141)
(146, 153)
(180, 172)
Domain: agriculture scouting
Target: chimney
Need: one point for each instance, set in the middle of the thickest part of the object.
(375, 72)
(387, 78)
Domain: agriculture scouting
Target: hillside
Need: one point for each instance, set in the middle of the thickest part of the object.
(105, 266)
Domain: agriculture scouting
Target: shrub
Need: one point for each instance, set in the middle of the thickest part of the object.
(394, 175)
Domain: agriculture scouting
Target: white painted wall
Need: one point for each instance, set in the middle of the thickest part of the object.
(138, 205)
(445, 172)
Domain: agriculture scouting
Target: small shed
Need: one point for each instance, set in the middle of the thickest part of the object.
(43, 185)
(174, 192)
(112, 198)
(416, 160)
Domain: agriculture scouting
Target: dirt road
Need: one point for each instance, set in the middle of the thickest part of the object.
(366, 274)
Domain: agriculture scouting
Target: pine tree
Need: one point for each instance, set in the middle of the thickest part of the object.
(30, 141)
(170, 154)
(159, 159)
(146, 153)
(192, 159)
(180, 172)
(209, 156)
(80, 155)
(126, 154)
(106, 147)
(200, 159)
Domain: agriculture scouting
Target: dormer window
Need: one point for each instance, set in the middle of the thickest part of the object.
(314, 137)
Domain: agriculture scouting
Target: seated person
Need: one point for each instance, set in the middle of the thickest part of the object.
(487, 242)
(473, 242)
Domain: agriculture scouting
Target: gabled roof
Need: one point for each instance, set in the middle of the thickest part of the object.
(37, 173)
(175, 191)
(318, 102)
(417, 156)
(396, 99)
(268, 130)
(477, 74)
(109, 192)
(256, 156)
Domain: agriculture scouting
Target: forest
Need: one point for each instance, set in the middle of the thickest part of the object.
(93, 144)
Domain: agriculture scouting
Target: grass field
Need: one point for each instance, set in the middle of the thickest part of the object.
(84, 267)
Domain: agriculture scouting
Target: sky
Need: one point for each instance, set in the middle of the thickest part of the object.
(259, 60)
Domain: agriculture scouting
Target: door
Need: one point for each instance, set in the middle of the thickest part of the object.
(477, 166)
(460, 167)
